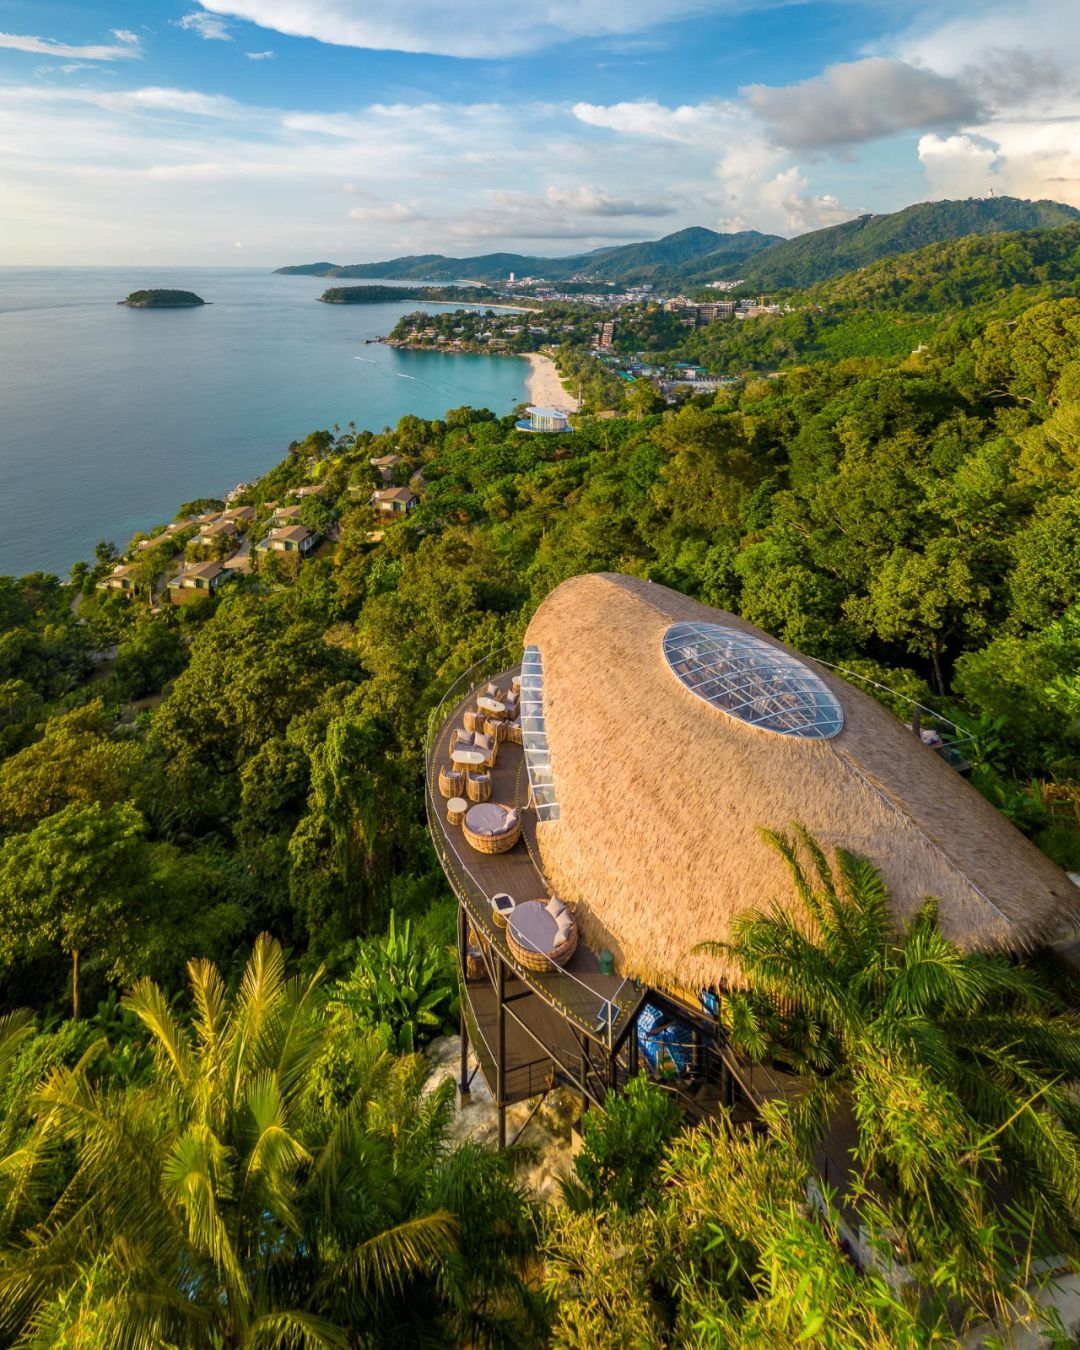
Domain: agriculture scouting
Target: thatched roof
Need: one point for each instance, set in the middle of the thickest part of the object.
(662, 797)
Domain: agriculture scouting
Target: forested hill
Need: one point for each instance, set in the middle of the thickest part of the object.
(651, 260)
(822, 254)
(973, 270)
(698, 255)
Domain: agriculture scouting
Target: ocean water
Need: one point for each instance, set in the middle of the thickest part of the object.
(111, 417)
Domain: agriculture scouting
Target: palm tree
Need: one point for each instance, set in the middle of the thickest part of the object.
(253, 1193)
(958, 1068)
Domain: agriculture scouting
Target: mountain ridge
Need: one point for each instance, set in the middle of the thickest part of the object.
(696, 255)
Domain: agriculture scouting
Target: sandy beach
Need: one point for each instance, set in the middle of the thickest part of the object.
(545, 388)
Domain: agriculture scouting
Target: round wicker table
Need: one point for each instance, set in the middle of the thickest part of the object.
(455, 810)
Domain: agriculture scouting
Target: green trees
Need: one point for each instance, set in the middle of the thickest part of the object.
(727, 1252)
(68, 883)
(957, 1070)
(241, 1197)
(149, 658)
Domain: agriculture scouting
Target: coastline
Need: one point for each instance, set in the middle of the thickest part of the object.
(545, 388)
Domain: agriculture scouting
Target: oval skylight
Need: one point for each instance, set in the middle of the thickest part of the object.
(752, 680)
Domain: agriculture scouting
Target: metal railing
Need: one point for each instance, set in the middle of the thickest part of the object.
(595, 1014)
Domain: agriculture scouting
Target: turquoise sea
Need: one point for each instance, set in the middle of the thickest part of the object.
(111, 417)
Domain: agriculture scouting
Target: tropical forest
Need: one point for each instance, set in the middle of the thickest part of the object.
(227, 945)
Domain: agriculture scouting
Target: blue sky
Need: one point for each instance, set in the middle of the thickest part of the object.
(271, 131)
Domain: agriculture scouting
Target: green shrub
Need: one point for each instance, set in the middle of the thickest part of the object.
(401, 986)
(623, 1147)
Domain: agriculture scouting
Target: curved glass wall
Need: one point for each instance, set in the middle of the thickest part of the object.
(752, 681)
(534, 735)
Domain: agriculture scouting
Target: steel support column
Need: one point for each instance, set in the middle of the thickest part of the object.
(500, 1047)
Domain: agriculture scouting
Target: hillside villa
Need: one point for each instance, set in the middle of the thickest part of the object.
(216, 530)
(197, 581)
(289, 539)
(121, 579)
(394, 501)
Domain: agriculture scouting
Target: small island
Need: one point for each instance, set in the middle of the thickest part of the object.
(162, 299)
(382, 295)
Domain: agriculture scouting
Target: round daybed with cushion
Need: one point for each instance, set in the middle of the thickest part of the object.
(542, 935)
(491, 827)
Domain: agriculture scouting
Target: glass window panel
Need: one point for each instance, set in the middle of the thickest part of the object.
(752, 681)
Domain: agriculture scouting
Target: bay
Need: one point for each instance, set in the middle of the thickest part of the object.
(111, 417)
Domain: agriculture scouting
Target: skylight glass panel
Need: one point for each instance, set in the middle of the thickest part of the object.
(752, 681)
(534, 736)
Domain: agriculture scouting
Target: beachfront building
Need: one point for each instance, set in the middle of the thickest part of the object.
(290, 539)
(197, 582)
(394, 501)
(544, 420)
(596, 802)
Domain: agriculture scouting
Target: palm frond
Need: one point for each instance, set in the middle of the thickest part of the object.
(147, 1001)
(383, 1263)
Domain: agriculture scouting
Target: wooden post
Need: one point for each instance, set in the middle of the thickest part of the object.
(500, 1048)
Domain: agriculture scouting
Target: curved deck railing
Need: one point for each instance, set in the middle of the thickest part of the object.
(598, 1016)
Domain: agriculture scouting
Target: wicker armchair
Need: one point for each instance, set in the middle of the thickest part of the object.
(474, 720)
(478, 787)
(513, 732)
(492, 752)
(496, 729)
(451, 782)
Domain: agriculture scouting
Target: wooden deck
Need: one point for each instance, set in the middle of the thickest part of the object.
(597, 1005)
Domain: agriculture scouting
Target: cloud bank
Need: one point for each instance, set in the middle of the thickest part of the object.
(491, 29)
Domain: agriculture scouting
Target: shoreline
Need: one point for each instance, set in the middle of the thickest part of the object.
(545, 387)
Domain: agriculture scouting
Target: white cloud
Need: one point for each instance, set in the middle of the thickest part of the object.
(126, 36)
(150, 99)
(690, 124)
(860, 101)
(389, 214)
(593, 201)
(1020, 61)
(259, 56)
(520, 215)
(493, 29)
(47, 47)
(212, 27)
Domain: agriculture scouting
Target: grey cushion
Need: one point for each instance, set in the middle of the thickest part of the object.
(555, 907)
(464, 740)
(533, 926)
(511, 820)
(564, 928)
(483, 742)
(486, 818)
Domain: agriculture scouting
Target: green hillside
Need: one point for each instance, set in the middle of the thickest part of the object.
(663, 258)
(696, 255)
(815, 257)
(957, 272)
